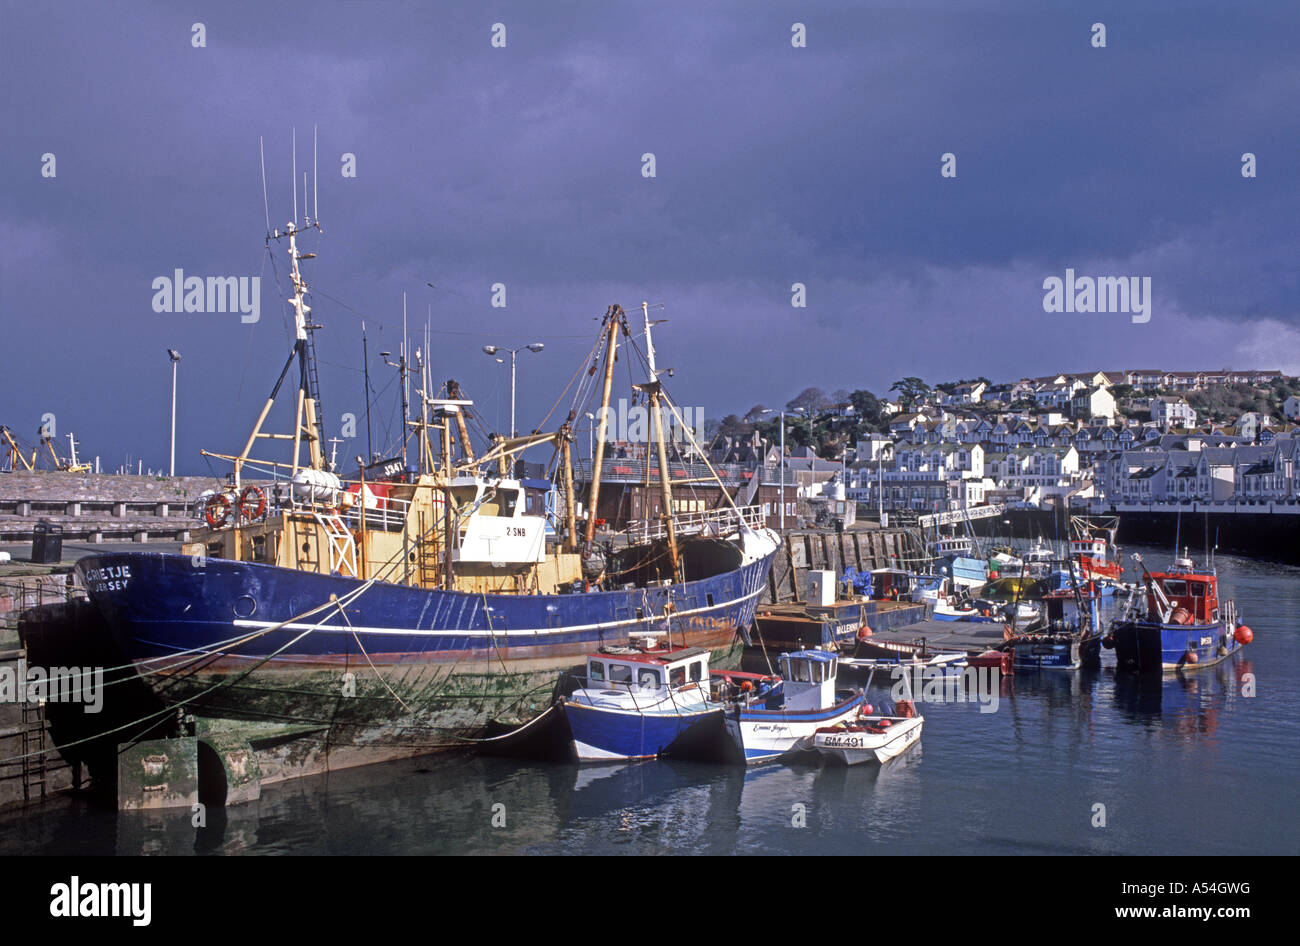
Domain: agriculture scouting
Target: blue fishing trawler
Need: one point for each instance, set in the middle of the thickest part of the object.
(406, 609)
(1178, 623)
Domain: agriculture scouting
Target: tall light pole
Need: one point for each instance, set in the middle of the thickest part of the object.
(492, 350)
(782, 510)
(591, 443)
(176, 360)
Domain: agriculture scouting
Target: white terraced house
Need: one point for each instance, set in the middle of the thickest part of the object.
(1231, 475)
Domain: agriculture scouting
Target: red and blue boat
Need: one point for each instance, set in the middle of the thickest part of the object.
(1184, 625)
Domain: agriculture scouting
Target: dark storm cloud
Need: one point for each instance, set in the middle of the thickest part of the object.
(522, 166)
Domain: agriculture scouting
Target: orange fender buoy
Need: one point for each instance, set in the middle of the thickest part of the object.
(1243, 634)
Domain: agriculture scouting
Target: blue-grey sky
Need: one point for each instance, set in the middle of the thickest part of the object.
(522, 165)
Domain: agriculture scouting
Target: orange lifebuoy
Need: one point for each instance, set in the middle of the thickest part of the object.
(250, 493)
(216, 511)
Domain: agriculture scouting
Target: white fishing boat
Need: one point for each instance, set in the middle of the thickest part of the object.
(869, 738)
(810, 703)
(879, 737)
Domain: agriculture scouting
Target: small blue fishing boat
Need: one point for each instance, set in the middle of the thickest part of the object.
(639, 701)
(764, 734)
(1065, 638)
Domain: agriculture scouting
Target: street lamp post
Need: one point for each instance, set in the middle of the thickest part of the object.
(492, 350)
(176, 360)
(782, 503)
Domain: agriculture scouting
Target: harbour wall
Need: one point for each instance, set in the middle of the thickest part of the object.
(1255, 531)
(802, 551)
(98, 507)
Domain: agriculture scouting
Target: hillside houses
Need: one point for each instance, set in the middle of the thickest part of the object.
(1056, 439)
(1235, 474)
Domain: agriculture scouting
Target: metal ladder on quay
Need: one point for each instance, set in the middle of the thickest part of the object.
(34, 750)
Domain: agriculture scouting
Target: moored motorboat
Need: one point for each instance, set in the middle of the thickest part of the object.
(810, 701)
(637, 702)
(870, 738)
(1061, 640)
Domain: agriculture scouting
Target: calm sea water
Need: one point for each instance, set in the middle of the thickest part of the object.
(1185, 765)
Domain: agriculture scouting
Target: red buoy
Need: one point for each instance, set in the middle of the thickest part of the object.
(1190, 657)
(866, 709)
(1243, 634)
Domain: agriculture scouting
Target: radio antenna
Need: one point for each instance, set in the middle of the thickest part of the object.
(293, 177)
(315, 181)
(266, 206)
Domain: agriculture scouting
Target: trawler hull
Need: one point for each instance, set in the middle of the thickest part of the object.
(393, 669)
(1152, 647)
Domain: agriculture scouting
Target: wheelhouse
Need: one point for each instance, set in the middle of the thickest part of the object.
(500, 521)
(891, 583)
(809, 679)
(676, 670)
(1192, 593)
(1090, 547)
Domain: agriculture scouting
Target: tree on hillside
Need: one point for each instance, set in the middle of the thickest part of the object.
(755, 413)
(867, 406)
(733, 426)
(811, 399)
(910, 390)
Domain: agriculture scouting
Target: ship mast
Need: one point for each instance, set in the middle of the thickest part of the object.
(613, 316)
(306, 421)
(307, 408)
(652, 387)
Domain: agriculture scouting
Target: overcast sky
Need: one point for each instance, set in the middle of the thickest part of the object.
(523, 166)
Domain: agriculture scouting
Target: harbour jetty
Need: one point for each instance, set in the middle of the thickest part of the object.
(96, 507)
(863, 547)
(1266, 530)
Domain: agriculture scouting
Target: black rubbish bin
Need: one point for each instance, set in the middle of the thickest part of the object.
(47, 543)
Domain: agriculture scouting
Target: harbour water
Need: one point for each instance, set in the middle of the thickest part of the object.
(1185, 764)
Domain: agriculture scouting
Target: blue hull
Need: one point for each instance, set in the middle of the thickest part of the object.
(162, 604)
(1151, 647)
(406, 667)
(1056, 655)
(611, 735)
